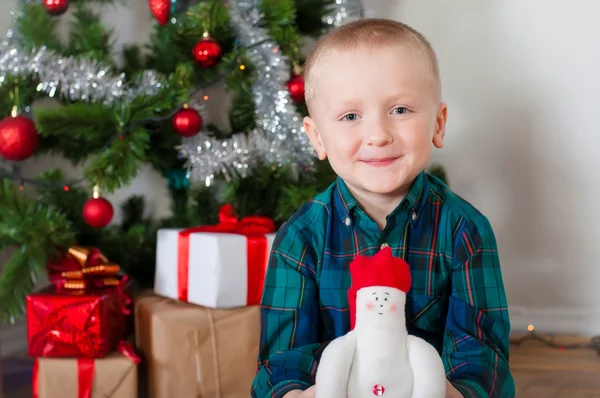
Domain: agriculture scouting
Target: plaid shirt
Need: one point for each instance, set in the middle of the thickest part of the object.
(457, 300)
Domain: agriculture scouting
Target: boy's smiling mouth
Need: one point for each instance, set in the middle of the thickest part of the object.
(379, 162)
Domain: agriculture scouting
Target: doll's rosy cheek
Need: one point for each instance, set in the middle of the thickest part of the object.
(393, 308)
(370, 306)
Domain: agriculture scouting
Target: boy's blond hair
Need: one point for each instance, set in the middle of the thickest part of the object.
(374, 33)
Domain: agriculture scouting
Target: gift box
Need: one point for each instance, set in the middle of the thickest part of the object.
(80, 315)
(216, 266)
(190, 351)
(114, 376)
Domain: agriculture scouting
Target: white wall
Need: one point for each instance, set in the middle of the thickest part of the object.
(520, 78)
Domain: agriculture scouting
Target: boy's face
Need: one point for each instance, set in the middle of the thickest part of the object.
(375, 115)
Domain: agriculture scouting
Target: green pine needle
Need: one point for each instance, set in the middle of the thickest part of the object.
(118, 164)
(76, 130)
(88, 37)
(36, 231)
(439, 172)
(37, 28)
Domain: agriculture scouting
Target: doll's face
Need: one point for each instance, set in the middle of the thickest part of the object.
(380, 305)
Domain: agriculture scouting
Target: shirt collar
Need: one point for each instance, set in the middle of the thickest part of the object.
(345, 203)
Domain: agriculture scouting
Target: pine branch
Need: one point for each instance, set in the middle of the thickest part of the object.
(36, 231)
(292, 198)
(175, 91)
(120, 162)
(439, 172)
(17, 91)
(204, 206)
(88, 36)
(260, 194)
(240, 72)
(307, 187)
(133, 249)
(37, 28)
(162, 153)
(280, 18)
(133, 211)
(133, 61)
(132, 245)
(70, 203)
(211, 17)
(241, 116)
(76, 130)
(164, 56)
(309, 15)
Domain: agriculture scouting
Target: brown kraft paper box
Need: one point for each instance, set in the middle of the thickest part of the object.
(191, 351)
(115, 376)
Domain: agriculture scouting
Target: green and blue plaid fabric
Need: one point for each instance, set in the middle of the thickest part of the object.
(457, 300)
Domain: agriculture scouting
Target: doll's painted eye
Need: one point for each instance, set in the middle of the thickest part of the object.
(385, 299)
(376, 298)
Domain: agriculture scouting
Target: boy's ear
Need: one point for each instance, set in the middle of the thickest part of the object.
(440, 126)
(314, 137)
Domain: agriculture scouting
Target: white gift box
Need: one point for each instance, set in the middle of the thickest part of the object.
(217, 268)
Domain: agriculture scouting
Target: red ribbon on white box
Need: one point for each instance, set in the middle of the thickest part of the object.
(254, 228)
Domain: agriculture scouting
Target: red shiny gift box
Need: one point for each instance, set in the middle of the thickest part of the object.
(84, 317)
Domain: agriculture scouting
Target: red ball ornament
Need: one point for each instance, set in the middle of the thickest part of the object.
(18, 138)
(56, 7)
(97, 212)
(187, 122)
(296, 88)
(207, 53)
(161, 9)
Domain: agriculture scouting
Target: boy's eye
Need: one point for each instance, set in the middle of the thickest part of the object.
(350, 117)
(400, 110)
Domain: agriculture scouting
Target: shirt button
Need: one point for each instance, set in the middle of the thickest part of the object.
(383, 246)
(414, 216)
(347, 221)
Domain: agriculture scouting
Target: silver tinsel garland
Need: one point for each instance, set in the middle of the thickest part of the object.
(279, 137)
(72, 78)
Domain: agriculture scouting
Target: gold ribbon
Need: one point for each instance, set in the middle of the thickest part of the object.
(81, 267)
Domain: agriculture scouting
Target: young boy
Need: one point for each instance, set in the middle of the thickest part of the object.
(374, 98)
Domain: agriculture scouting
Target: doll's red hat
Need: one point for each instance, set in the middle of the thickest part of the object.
(382, 269)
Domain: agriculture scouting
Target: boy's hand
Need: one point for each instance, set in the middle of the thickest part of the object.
(308, 393)
(452, 392)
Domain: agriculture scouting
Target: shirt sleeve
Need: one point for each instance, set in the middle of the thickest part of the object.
(476, 341)
(289, 338)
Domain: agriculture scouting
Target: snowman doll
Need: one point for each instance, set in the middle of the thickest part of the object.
(378, 357)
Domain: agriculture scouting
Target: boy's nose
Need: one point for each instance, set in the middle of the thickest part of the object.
(379, 139)
(379, 134)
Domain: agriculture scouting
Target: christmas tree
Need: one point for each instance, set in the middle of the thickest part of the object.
(111, 115)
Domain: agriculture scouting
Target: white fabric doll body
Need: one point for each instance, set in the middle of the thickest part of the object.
(378, 357)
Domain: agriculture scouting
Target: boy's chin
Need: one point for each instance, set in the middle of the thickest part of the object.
(385, 188)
